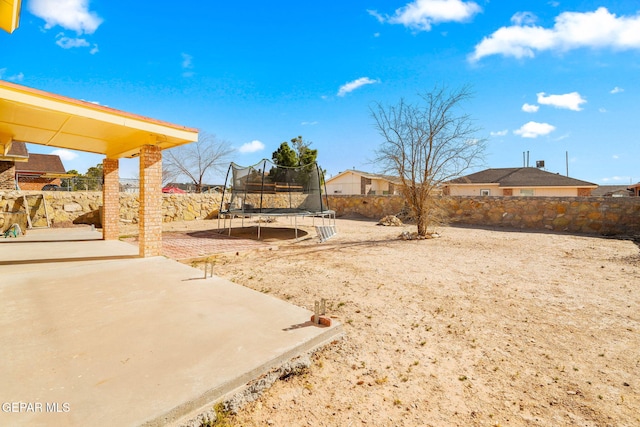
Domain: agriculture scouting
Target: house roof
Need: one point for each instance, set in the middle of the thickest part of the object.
(390, 178)
(607, 190)
(521, 177)
(41, 164)
(17, 151)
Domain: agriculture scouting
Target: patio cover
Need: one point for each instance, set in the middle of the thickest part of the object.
(9, 15)
(44, 118)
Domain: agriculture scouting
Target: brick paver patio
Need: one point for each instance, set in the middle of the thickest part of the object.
(198, 244)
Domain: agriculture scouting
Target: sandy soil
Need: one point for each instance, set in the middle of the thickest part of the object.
(475, 328)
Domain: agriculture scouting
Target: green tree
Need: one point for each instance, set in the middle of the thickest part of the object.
(68, 183)
(91, 180)
(287, 157)
(306, 155)
(427, 144)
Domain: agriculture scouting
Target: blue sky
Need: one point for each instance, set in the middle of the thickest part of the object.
(549, 77)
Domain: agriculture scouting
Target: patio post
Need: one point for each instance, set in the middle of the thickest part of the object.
(110, 199)
(150, 201)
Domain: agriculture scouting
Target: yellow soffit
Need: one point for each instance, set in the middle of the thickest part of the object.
(9, 15)
(44, 118)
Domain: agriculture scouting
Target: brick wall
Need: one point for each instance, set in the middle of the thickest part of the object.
(150, 201)
(7, 176)
(111, 198)
(30, 183)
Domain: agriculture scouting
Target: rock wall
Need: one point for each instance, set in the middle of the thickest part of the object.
(76, 207)
(590, 215)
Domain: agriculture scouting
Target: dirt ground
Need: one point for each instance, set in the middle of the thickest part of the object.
(474, 328)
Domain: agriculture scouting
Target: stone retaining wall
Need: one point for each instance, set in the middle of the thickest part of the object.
(590, 215)
(78, 207)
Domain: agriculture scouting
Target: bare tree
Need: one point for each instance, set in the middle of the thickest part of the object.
(427, 144)
(198, 160)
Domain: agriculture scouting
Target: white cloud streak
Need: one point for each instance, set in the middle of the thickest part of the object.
(187, 61)
(569, 101)
(355, 84)
(419, 15)
(12, 78)
(69, 43)
(251, 147)
(65, 154)
(572, 30)
(616, 90)
(528, 108)
(534, 130)
(499, 133)
(69, 14)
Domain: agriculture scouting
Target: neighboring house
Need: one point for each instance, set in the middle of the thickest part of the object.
(357, 182)
(38, 171)
(518, 182)
(10, 154)
(190, 187)
(635, 189)
(25, 171)
(612, 191)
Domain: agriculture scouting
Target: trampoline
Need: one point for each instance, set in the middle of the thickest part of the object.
(266, 190)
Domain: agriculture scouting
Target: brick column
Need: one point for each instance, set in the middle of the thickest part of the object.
(150, 201)
(111, 199)
(7, 176)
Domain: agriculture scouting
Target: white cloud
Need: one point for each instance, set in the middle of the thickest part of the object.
(68, 43)
(69, 14)
(534, 130)
(617, 179)
(251, 147)
(615, 157)
(616, 90)
(524, 18)
(65, 154)
(94, 49)
(187, 61)
(602, 110)
(499, 133)
(419, 15)
(528, 108)
(355, 84)
(187, 65)
(309, 123)
(13, 78)
(569, 101)
(572, 30)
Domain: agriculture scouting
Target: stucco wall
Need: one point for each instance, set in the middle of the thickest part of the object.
(590, 215)
(474, 190)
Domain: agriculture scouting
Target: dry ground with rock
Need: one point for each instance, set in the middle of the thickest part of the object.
(474, 328)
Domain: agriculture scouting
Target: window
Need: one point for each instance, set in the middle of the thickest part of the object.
(485, 192)
(526, 192)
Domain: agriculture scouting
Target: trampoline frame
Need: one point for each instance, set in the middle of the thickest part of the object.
(275, 212)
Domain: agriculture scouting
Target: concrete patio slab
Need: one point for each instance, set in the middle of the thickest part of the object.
(131, 341)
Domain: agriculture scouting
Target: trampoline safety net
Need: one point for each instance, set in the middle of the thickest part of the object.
(268, 189)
